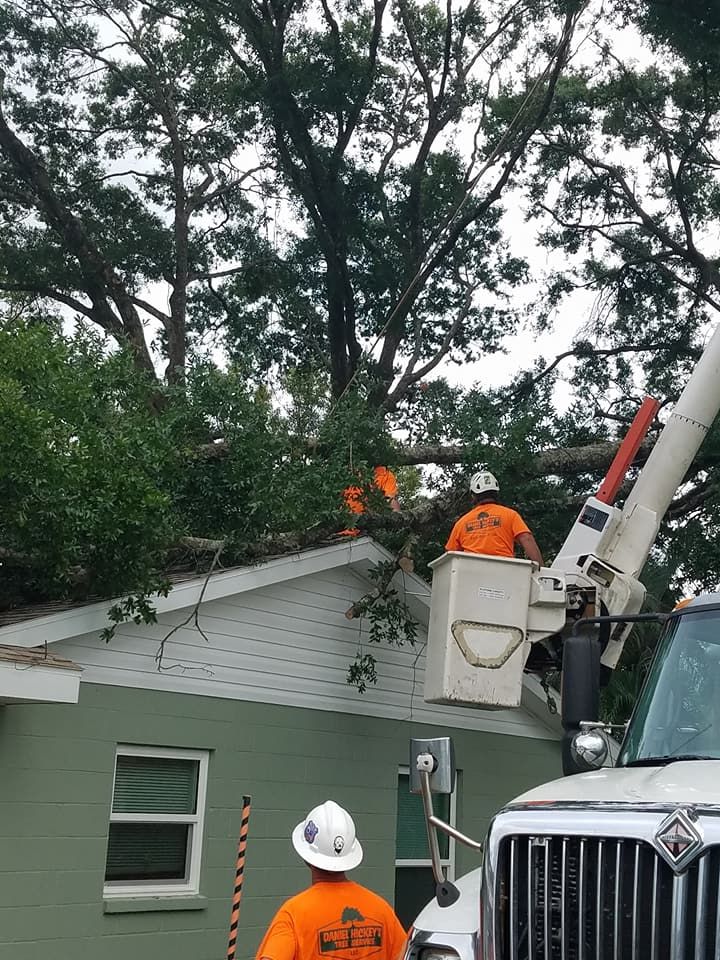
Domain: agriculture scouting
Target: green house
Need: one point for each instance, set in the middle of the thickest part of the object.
(122, 774)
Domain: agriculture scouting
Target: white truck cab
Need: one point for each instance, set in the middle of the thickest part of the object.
(620, 862)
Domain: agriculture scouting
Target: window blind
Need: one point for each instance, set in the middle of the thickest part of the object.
(155, 785)
(147, 851)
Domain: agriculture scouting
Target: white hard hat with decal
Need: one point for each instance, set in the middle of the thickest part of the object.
(326, 838)
(483, 482)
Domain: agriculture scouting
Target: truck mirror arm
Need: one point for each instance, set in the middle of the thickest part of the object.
(620, 618)
(456, 834)
(445, 891)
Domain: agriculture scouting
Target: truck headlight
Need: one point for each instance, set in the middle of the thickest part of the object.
(437, 953)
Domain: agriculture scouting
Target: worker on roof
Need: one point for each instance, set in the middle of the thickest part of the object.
(355, 497)
(334, 917)
(491, 528)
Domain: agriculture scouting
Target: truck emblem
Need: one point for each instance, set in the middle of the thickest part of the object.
(678, 839)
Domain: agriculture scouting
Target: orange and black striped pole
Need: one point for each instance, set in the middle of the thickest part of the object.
(239, 872)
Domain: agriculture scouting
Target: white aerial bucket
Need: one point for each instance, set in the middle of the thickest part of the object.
(485, 612)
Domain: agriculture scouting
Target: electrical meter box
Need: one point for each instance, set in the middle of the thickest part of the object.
(484, 614)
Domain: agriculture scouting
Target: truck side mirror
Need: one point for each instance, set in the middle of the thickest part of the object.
(580, 689)
(589, 749)
(442, 776)
(580, 693)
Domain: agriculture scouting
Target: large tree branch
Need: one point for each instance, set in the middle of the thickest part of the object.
(100, 280)
(582, 353)
(556, 461)
(52, 294)
(418, 60)
(412, 376)
(590, 458)
(360, 100)
(466, 213)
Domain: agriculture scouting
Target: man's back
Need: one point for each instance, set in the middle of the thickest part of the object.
(338, 920)
(489, 528)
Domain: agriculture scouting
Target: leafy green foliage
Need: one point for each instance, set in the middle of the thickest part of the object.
(362, 671)
(100, 488)
(85, 470)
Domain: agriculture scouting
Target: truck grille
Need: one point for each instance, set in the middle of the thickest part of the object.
(590, 898)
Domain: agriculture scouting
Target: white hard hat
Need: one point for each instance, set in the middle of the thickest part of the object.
(483, 482)
(326, 838)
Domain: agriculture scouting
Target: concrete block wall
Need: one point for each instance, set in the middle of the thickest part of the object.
(56, 773)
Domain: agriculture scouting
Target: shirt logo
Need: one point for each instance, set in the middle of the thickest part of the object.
(352, 936)
(678, 839)
(482, 521)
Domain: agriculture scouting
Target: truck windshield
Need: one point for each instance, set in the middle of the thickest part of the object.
(678, 712)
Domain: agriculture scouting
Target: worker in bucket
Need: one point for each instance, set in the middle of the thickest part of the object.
(334, 917)
(491, 528)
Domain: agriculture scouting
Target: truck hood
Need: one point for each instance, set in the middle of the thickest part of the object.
(462, 917)
(686, 782)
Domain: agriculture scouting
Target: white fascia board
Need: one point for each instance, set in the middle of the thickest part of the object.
(93, 617)
(20, 683)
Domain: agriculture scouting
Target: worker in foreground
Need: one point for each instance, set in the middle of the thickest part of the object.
(491, 528)
(334, 917)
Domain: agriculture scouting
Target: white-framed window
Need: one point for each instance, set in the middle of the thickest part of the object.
(414, 882)
(156, 822)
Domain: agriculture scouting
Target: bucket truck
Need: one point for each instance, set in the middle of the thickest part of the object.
(620, 862)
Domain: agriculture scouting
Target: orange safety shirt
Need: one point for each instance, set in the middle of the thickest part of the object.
(489, 528)
(384, 479)
(334, 921)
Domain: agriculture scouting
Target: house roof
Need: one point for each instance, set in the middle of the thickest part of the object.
(33, 675)
(32, 611)
(35, 657)
(51, 622)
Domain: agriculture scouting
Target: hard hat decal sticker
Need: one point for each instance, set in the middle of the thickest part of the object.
(352, 936)
(311, 831)
(338, 845)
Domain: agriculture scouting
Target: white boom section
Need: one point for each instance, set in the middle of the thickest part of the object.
(653, 491)
(487, 611)
(610, 546)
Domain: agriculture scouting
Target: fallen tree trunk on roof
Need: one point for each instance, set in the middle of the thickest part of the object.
(557, 461)
(433, 514)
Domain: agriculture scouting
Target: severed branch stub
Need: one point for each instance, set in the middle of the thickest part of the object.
(404, 561)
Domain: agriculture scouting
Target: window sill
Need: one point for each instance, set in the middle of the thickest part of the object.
(151, 904)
